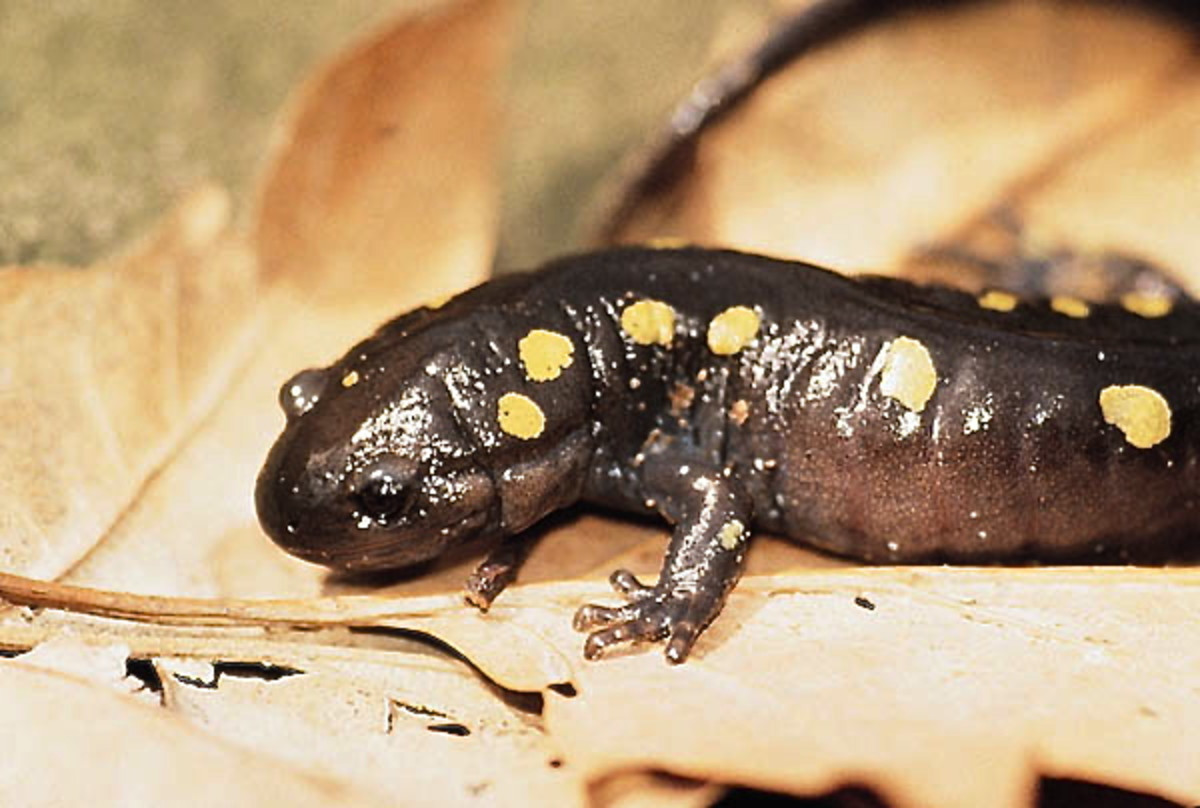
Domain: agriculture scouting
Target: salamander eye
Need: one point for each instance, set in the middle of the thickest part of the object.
(386, 495)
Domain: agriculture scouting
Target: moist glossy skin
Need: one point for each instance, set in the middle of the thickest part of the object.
(729, 392)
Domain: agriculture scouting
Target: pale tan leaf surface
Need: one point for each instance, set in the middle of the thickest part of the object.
(102, 372)
(950, 686)
(955, 690)
(68, 742)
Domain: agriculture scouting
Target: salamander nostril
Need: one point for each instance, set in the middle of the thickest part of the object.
(302, 391)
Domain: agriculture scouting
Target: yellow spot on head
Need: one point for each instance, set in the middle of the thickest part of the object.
(545, 354)
(520, 416)
(908, 373)
(350, 379)
(739, 411)
(731, 534)
(1070, 306)
(649, 322)
(1147, 305)
(1140, 412)
(667, 243)
(732, 330)
(997, 300)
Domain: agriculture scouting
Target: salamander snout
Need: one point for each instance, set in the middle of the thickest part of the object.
(372, 473)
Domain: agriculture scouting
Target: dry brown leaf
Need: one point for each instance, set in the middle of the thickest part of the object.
(139, 401)
(386, 169)
(940, 687)
(103, 372)
(933, 686)
(68, 742)
(887, 142)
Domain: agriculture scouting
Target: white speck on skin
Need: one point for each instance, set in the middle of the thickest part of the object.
(977, 416)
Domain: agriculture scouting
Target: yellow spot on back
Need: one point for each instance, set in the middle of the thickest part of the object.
(1147, 305)
(520, 416)
(350, 379)
(545, 354)
(731, 534)
(1070, 306)
(997, 300)
(732, 330)
(649, 322)
(908, 373)
(1140, 412)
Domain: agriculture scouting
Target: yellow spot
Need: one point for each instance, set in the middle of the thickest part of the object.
(908, 373)
(667, 243)
(350, 379)
(731, 534)
(520, 416)
(1146, 305)
(997, 300)
(1070, 306)
(1140, 412)
(648, 322)
(545, 354)
(732, 330)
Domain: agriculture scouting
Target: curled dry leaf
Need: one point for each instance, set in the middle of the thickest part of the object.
(385, 169)
(879, 145)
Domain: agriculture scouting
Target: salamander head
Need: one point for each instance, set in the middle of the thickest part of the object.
(372, 471)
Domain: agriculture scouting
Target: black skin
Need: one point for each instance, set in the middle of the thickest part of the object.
(402, 455)
(394, 454)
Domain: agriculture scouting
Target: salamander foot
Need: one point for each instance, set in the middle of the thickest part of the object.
(651, 615)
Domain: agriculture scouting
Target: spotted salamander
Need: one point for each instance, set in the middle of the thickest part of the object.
(727, 392)
(724, 391)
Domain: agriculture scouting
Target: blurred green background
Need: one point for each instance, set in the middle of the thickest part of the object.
(110, 111)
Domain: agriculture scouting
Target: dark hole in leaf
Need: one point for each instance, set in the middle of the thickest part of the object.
(255, 670)
(450, 729)
(419, 709)
(555, 763)
(193, 681)
(144, 671)
(850, 797)
(565, 689)
(1052, 793)
(528, 703)
(239, 670)
(864, 603)
(1061, 793)
(12, 653)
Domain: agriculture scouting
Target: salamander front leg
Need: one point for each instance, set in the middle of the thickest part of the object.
(704, 561)
(496, 572)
